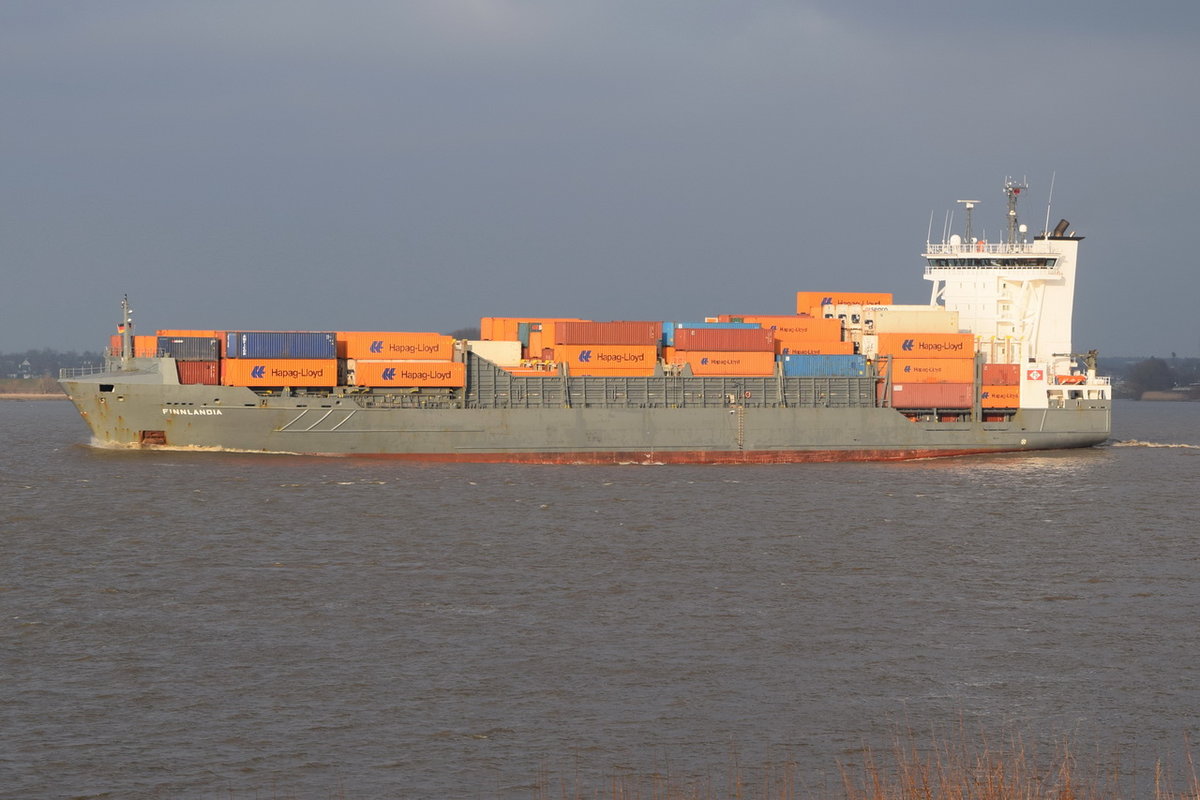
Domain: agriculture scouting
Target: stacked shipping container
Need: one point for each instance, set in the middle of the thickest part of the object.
(719, 350)
(801, 333)
(834, 334)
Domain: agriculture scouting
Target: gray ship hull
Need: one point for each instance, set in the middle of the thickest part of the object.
(552, 420)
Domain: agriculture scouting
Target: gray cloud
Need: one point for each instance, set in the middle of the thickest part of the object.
(418, 165)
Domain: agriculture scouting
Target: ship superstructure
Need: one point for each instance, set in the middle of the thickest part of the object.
(1017, 296)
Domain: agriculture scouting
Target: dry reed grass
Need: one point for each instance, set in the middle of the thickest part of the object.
(958, 769)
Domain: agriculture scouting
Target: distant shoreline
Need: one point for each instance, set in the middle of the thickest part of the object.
(32, 396)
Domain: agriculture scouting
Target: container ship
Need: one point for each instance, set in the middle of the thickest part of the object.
(986, 366)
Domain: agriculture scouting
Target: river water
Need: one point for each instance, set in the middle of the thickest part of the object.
(204, 625)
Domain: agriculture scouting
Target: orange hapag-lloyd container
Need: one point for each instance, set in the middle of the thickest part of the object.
(410, 373)
(811, 302)
(933, 370)
(198, 334)
(279, 372)
(813, 348)
(395, 345)
(719, 362)
(927, 345)
(1003, 396)
(608, 359)
(794, 327)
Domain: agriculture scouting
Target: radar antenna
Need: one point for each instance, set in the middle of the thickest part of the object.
(969, 205)
(1011, 190)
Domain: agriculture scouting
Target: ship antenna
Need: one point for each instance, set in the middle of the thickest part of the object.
(929, 233)
(126, 331)
(970, 206)
(1049, 198)
(1012, 189)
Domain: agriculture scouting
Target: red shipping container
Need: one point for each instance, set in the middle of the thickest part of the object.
(604, 333)
(744, 340)
(205, 372)
(930, 395)
(1001, 374)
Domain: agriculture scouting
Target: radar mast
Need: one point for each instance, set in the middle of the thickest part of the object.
(1011, 190)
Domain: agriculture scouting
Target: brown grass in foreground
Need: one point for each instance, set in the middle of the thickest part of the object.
(944, 772)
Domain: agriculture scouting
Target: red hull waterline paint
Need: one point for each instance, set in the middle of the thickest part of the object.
(695, 457)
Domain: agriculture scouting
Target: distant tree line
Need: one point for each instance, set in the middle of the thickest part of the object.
(45, 363)
(1133, 377)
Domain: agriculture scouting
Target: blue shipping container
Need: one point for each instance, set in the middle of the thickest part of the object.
(190, 348)
(802, 366)
(280, 344)
(669, 328)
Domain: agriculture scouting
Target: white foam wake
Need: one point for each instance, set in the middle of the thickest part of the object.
(1136, 443)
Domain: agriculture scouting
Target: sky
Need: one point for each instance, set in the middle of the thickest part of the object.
(391, 165)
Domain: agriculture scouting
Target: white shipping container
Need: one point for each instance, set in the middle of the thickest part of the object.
(501, 353)
(911, 319)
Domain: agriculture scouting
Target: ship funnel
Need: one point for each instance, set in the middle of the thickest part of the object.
(1061, 228)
